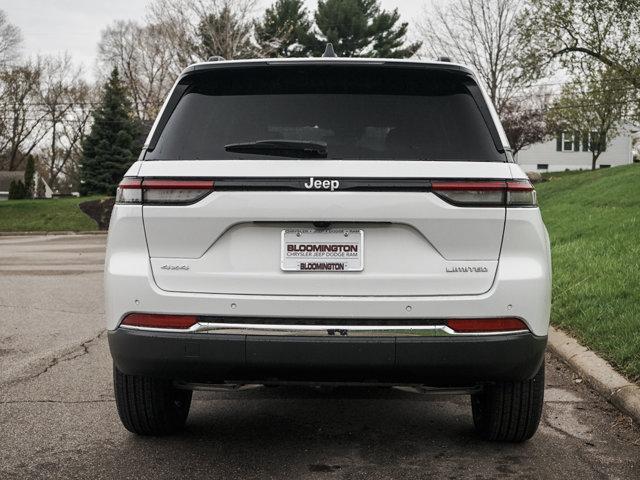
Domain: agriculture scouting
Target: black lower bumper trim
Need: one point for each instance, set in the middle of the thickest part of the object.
(437, 361)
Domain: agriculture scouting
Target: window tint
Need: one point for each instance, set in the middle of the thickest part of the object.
(359, 112)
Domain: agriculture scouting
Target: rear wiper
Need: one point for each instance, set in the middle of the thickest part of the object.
(281, 148)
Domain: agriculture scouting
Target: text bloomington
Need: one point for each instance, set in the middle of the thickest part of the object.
(336, 267)
(311, 247)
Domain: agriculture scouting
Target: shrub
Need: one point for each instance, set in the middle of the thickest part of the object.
(17, 190)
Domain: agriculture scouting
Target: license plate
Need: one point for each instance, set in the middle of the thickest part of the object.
(338, 250)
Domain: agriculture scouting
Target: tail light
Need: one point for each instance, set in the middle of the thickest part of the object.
(129, 190)
(486, 325)
(511, 193)
(152, 320)
(151, 191)
(520, 193)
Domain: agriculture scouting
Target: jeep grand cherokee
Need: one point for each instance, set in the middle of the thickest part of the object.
(329, 222)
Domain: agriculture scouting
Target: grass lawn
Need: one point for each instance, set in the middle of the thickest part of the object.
(593, 220)
(44, 215)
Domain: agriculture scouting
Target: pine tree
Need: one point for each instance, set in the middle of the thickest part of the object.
(29, 177)
(109, 149)
(360, 28)
(285, 30)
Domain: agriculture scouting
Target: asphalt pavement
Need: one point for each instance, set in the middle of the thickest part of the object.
(58, 417)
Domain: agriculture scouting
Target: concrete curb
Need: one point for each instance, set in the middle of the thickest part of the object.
(63, 232)
(622, 393)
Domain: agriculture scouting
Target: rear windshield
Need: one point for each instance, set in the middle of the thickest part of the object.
(355, 112)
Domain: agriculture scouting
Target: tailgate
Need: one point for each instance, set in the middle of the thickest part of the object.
(414, 243)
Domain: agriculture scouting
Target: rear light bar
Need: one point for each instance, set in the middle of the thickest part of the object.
(133, 190)
(464, 193)
(154, 320)
(490, 193)
(486, 325)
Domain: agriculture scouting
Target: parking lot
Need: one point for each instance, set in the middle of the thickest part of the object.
(58, 416)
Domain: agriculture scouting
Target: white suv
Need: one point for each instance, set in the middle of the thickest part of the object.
(328, 221)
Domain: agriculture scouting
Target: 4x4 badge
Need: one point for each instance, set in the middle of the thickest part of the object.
(174, 267)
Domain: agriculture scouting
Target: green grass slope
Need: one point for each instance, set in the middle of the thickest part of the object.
(593, 220)
(44, 215)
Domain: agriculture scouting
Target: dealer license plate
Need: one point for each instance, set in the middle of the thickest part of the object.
(336, 250)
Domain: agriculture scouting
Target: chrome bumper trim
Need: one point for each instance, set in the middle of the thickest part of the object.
(323, 330)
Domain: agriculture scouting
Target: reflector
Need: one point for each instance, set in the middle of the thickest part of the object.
(152, 320)
(485, 325)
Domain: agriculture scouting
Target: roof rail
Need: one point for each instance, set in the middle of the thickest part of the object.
(215, 58)
(329, 51)
(444, 59)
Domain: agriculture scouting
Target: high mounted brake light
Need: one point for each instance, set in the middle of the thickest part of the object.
(151, 191)
(486, 193)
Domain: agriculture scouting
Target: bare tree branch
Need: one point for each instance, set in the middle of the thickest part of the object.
(483, 34)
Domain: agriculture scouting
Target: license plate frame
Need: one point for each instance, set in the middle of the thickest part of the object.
(326, 251)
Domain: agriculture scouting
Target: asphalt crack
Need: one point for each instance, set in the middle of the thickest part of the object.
(69, 354)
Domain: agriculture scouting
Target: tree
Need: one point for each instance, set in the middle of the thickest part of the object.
(226, 33)
(592, 108)
(109, 148)
(194, 31)
(22, 125)
(29, 177)
(524, 124)
(10, 41)
(144, 57)
(359, 28)
(66, 103)
(284, 30)
(485, 35)
(569, 31)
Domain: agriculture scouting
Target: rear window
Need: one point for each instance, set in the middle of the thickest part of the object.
(358, 112)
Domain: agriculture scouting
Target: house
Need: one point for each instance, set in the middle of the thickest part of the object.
(570, 151)
(6, 177)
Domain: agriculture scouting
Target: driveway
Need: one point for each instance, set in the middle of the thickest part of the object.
(58, 416)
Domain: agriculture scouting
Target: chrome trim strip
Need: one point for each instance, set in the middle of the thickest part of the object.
(322, 330)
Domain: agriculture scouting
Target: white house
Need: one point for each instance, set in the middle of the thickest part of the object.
(570, 151)
(6, 177)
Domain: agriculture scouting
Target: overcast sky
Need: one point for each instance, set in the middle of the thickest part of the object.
(74, 26)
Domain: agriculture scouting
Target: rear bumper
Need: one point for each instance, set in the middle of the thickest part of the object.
(522, 287)
(435, 361)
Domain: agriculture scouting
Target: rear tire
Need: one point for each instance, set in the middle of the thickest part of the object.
(150, 406)
(509, 411)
